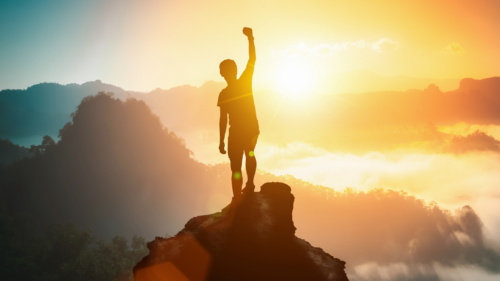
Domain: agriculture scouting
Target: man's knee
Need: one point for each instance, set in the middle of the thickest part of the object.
(236, 175)
(250, 154)
(236, 164)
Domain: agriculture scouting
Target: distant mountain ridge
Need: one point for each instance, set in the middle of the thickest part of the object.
(488, 85)
(27, 115)
(42, 109)
(54, 97)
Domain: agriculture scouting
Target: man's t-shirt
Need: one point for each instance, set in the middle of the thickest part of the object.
(237, 100)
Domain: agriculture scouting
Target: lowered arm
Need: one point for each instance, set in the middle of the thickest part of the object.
(222, 129)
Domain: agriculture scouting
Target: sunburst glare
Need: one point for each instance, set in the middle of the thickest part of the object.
(295, 79)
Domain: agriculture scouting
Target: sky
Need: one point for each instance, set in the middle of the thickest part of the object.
(144, 45)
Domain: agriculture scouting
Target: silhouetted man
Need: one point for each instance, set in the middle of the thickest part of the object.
(236, 100)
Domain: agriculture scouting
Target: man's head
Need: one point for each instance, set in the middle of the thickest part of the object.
(228, 70)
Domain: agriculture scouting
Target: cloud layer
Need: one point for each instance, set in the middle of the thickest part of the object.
(389, 235)
(327, 50)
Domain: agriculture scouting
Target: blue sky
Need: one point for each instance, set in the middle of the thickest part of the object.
(52, 41)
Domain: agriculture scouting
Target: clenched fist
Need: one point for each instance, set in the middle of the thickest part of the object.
(248, 32)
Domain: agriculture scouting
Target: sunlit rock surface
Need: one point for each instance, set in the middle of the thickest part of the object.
(254, 241)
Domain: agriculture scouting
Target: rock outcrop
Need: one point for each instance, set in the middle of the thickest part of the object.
(253, 241)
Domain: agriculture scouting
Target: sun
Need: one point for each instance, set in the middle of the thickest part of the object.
(295, 80)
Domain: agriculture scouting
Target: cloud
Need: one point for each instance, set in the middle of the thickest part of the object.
(300, 50)
(358, 44)
(402, 271)
(441, 177)
(388, 227)
(385, 45)
(325, 50)
(453, 49)
(450, 179)
(322, 50)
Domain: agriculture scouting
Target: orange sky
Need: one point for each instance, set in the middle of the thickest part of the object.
(142, 45)
(184, 42)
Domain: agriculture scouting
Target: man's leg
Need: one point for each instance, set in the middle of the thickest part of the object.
(237, 183)
(251, 164)
(235, 153)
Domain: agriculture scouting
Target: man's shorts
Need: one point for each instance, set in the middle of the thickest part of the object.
(237, 145)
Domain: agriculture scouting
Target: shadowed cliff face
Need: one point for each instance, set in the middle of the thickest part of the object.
(254, 240)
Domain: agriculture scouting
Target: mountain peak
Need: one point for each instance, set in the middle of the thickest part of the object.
(491, 84)
(254, 240)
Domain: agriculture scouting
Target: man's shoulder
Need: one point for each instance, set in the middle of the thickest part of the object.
(224, 92)
(223, 96)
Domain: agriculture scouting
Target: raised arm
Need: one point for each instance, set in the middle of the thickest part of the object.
(251, 46)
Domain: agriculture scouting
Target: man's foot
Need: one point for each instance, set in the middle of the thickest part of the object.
(234, 202)
(249, 189)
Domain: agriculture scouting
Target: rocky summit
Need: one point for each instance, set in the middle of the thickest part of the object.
(253, 240)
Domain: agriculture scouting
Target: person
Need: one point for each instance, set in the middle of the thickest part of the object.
(236, 101)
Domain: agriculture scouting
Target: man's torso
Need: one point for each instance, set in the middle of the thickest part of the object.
(238, 101)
